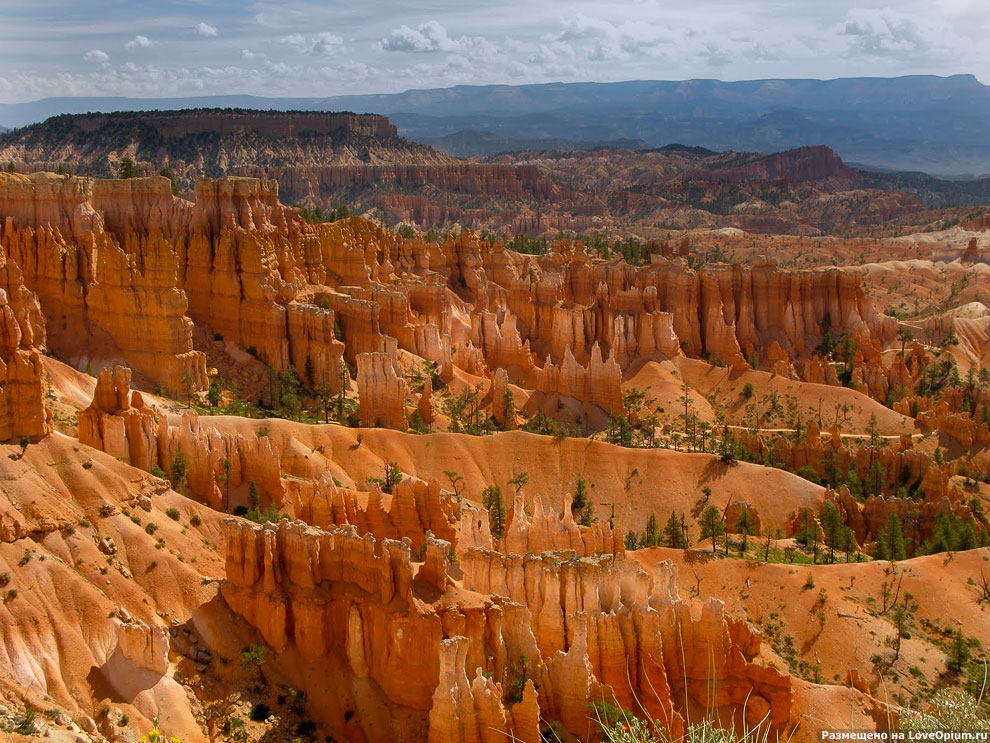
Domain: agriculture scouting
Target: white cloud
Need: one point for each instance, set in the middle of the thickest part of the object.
(316, 45)
(405, 39)
(139, 42)
(403, 45)
(884, 31)
(433, 37)
(97, 55)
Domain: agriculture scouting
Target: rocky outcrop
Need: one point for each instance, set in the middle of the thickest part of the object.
(473, 710)
(563, 631)
(664, 308)
(146, 647)
(370, 629)
(962, 419)
(207, 450)
(817, 163)
(22, 335)
(111, 295)
(118, 422)
(500, 342)
(381, 390)
(414, 510)
(239, 139)
(249, 270)
(599, 383)
(425, 405)
(502, 401)
(606, 624)
(219, 467)
(543, 530)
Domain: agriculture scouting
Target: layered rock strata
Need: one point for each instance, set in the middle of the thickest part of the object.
(118, 422)
(22, 336)
(124, 269)
(563, 631)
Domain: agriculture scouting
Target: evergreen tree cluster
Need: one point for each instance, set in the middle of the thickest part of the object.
(673, 535)
(316, 215)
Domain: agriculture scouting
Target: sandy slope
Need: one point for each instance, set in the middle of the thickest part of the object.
(727, 386)
(59, 627)
(854, 629)
(637, 481)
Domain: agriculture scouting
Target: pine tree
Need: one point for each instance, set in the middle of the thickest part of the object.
(966, 537)
(214, 395)
(832, 522)
(580, 499)
(518, 480)
(902, 615)
(127, 168)
(587, 515)
(179, 469)
(631, 540)
(808, 534)
(711, 524)
(880, 549)
(960, 653)
(672, 534)
(848, 541)
(744, 526)
(228, 470)
(491, 499)
(895, 538)
(944, 536)
(874, 430)
(877, 478)
(854, 484)
(310, 372)
(651, 537)
(832, 476)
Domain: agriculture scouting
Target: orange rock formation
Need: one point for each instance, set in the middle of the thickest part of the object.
(590, 629)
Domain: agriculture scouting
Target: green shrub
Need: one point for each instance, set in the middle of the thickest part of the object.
(254, 656)
(951, 709)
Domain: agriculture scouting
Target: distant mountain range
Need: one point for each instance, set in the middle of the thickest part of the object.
(472, 144)
(932, 124)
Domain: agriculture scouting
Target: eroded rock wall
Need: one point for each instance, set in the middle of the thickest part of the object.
(563, 631)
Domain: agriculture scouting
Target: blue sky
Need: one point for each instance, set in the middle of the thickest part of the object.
(306, 48)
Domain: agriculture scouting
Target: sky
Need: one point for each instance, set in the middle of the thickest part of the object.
(310, 48)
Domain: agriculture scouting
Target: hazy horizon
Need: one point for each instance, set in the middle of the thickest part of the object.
(301, 48)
